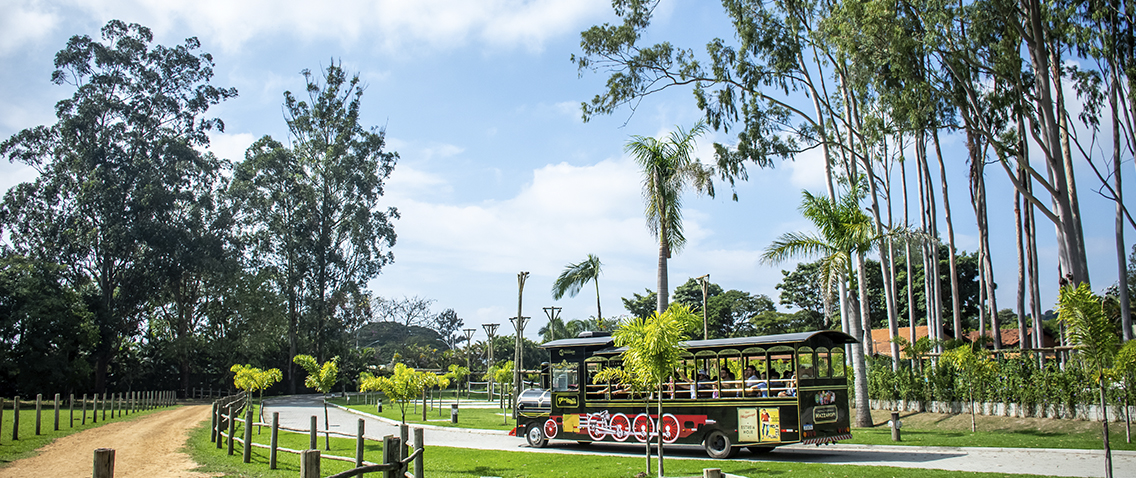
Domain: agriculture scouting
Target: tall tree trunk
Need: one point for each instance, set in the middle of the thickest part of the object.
(663, 288)
(956, 305)
(907, 260)
(1019, 240)
(1121, 258)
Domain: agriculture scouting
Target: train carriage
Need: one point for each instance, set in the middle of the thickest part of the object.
(754, 392)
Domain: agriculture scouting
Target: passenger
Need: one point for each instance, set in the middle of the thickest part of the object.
(729, 384)
(754, 384)
(791, 387)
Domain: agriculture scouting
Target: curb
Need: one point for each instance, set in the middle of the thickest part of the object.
(479, 431)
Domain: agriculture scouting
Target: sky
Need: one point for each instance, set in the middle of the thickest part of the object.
(497, 171)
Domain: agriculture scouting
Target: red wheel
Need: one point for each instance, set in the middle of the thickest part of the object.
(643, 427)
(669, 427)
(596, 428)
(550, 429)
(620, 427)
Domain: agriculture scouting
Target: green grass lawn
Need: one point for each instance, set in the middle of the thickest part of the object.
(443, 462)
(29, 442)
(468, 417)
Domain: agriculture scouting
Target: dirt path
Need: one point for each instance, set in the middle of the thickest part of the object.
(148, 447)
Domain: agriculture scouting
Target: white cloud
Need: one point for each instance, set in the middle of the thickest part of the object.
(24, 22)
(230, 146)
(395, 25)
(807, 170)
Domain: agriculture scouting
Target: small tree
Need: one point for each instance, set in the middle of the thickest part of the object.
(652, 354)
(457, 374)
(321, 379)
(976, 368)
(1125, 369)
(252, 379)
(404, 385)
(502, 373)
(1096, 340)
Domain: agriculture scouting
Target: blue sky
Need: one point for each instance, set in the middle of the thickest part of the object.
(498, 174)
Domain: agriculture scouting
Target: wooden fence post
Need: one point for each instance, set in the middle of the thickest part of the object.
(312, 434)
(39, 406)
(359, 445)
(1, 416)
(71, 409)
(419, 444)
(272, 441)
(84, 409)
(404, 436)
(94, 408)
(57, 412)
(310, 464)
(220, 421)
(105, 407)
(16, 418)
(248, 435)
(213, 423)
(104, 463)
(391, 454)
(232, 429)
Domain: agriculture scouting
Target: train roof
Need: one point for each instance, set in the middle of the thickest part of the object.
(834, 337)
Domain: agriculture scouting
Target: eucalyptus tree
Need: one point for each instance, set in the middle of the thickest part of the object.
(110, 168)
(669, 168)
(575, 276)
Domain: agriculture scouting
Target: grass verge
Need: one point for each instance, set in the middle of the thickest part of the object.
(468, 417)
(29, 442)
(443, 462)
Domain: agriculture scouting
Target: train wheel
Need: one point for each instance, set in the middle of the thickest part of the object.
(642, 427)
(550, 429)
(718, 445)
(596, 429)
(620, 427)
(535, 437)
(669, 427)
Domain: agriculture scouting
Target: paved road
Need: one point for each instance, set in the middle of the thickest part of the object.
(295, 412)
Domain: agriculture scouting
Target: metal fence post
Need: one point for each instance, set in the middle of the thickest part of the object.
(104, 463)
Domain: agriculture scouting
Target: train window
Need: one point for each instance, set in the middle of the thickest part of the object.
(806, 368)
(595, 390)
(822, 369)
(837, 362)
(565, 376)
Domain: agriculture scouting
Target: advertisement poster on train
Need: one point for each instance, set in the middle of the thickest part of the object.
(770, 424)
(747, 425)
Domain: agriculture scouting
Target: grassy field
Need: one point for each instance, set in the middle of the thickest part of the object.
(919, 429)
(29, 442)
(442, 462)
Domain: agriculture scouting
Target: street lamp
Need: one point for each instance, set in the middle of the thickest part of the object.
(468, 354)
(553, 313)
(491, 331)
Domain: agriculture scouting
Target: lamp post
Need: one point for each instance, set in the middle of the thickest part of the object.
(518, 353)
(553, 313)
(468, 355)
(491, 331)
(705, 281)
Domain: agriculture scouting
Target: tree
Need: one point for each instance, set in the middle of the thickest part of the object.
(652, 354)
(976, 368)
(321, 378)
(575, 276)
(252, 379)
(346, 166)
(447, 323)
(1096, 341)
(555, 329)
(404, 385)
(669, 168)
(641, 305)
(844, 231)
(110, 168)
(407, 310)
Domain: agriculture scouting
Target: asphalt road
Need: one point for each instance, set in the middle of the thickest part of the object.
(295, 412)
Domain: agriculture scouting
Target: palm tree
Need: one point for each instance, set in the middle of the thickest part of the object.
(555, 329)
(575, 276)
(845, 234)
(668, 169)
(1096, 340)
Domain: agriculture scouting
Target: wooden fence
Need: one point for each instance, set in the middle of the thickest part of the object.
(396, 460)
(115, 404)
